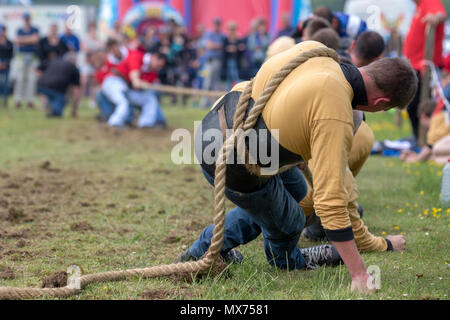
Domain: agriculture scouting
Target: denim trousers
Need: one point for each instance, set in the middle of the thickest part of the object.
(274, 211)
(56, 100)
(4, 84)
(116, 90)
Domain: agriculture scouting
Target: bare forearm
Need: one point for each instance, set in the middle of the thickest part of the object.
(352, 259)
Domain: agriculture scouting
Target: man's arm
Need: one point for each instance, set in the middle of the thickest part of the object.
(137, 82)
(331, 142)
(435, 18)
(27, 39)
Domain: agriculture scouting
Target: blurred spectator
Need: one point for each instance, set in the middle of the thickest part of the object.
(368, 47)
(347, 26)
(61, 73)
(89, 46)
(6, 54)
(328, 37)
(446, 78)
(70, 40)
(286, 28)
(116, 32)
(314, 24)
(438, 136)
(27, 62)
(427, 12)
(213, 43)
(149, 40)
(50, 47)
(233, 49)
(257, 44)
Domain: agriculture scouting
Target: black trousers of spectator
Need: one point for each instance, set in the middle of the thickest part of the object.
(413, 108)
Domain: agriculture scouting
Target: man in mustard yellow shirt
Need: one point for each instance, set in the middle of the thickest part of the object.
(309, 116)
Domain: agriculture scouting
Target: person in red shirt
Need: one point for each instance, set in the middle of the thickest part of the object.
(104, 61)
(427, 12)
(127, 85)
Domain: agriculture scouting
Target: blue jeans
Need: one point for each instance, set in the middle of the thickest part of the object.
(106, 107)
(4, 88)
(151, 113)
(56, 100)
(274, 211)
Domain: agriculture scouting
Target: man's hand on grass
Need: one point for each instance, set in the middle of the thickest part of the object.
(398, 242)
(363, 283)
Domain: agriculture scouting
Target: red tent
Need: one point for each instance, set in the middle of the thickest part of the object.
(203, 12)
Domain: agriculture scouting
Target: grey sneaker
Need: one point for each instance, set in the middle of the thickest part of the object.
(233, 256)
(321, 255)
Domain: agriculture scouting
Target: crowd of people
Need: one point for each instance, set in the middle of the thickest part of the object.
(214, 59)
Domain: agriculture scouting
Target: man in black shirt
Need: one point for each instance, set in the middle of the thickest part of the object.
(61, 73)
(6, 54)
(51, 47)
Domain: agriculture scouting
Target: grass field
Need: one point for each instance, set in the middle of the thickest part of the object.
(77, 192)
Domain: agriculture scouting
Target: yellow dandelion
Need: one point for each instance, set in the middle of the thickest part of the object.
(104, 288)
(439, 173)
(387, 206)
(407, 204)
(383, 233)
(396, 228)
(415, 205)
(425, 212)
(422, 193)
(400, 210)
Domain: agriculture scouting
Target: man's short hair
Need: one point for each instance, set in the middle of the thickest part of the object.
(426, 108)
(328, 37)
(325, 13)
(395, 78)
(369, 45)
(111, 42)
(315, 24)
(161, 56)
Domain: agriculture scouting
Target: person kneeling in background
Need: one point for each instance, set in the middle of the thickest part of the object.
(60, 74)
(438, 137)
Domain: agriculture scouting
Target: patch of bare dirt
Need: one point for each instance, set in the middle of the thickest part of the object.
(173, 238)
(56, 280)
(7, 274)
(157, 294)
(81, 226)
(47, 166)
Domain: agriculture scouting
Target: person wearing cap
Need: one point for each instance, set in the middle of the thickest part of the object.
(27, 41)
(6, 54)
(213, 44)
